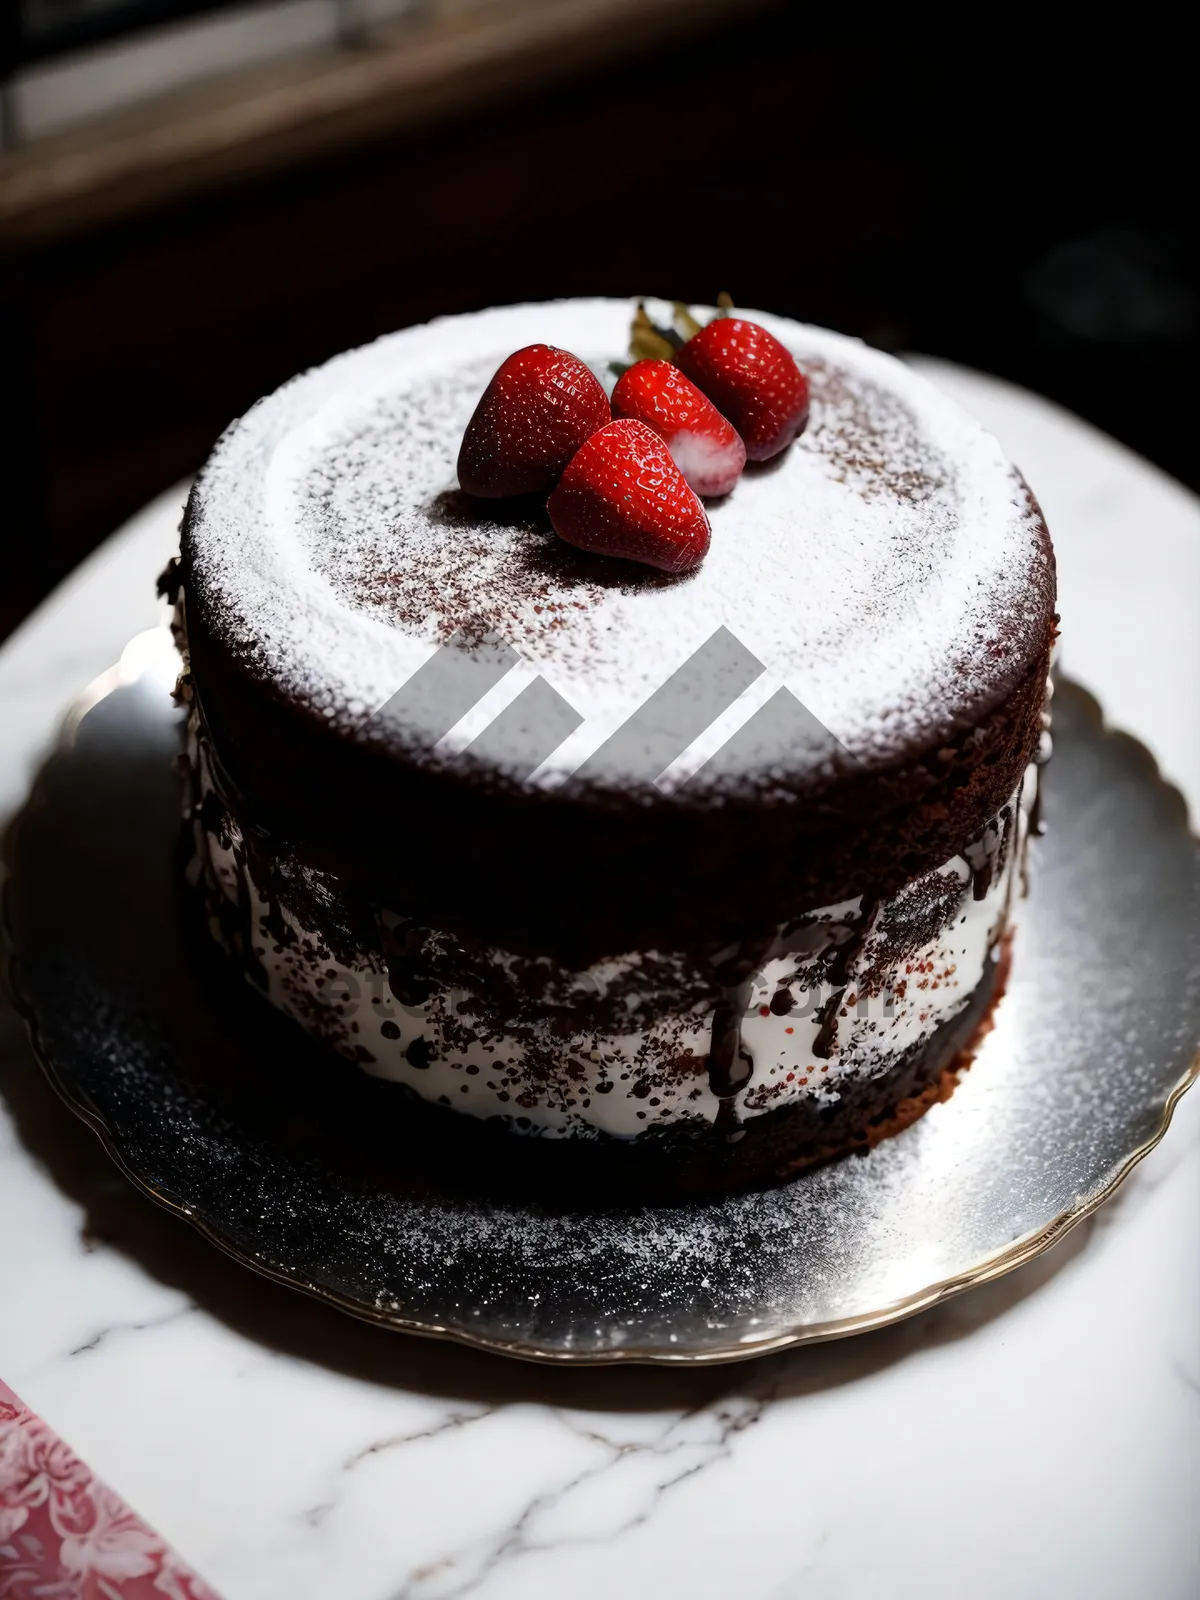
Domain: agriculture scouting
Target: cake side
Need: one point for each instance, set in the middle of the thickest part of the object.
(832, 1020)
(705, 874)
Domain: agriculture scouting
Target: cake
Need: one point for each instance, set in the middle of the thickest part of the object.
(676, 883)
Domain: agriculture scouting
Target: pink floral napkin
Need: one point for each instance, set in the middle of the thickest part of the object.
(66, 1536)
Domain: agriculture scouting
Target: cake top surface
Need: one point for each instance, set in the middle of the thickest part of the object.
(878, 587)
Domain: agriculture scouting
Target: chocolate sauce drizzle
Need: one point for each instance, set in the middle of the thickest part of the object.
(239, 923)
(981, 878)
(782, 1002)
(1012, 839)
(822, 1046)
(730, 1065)
(403, 946)
(837, 972)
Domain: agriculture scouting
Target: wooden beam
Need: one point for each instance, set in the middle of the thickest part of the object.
(248, 124)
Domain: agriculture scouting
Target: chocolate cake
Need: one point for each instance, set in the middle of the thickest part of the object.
(676, 881)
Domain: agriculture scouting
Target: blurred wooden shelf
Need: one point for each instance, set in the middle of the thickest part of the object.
(248, 124)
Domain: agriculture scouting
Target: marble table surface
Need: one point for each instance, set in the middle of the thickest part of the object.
(1037, 1437)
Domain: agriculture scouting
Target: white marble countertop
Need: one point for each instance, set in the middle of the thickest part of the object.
(1038, 1437)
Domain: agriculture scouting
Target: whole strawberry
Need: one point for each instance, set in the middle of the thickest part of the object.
(533, 416)
(751, 379)
(622, 495)
(706, 448)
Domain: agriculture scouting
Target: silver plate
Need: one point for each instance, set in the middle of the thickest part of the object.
(1093, 1043)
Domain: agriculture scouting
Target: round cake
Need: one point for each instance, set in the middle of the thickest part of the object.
(684, 880)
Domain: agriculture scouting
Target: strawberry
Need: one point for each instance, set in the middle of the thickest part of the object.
(622, 495)
(751, 379)
(533, 416)
(706, 448)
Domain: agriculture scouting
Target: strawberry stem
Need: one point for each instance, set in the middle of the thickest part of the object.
(650, 343)
(684, 320)
(653, 341)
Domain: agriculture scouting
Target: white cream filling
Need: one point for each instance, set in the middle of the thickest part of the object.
(617, 1083)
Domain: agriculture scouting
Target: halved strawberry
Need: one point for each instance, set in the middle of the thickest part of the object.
(622, 495)
(533, 416)
(751, 379)
(706, 448)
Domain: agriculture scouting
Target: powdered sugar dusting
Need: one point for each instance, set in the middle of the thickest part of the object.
(888, 569)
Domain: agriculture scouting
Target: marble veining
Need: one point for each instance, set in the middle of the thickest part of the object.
(1046, 1421)
(115, 1329)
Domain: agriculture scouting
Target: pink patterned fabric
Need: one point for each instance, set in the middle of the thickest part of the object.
(66, 1536)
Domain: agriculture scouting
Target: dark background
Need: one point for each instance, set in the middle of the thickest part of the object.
(1021, 208)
